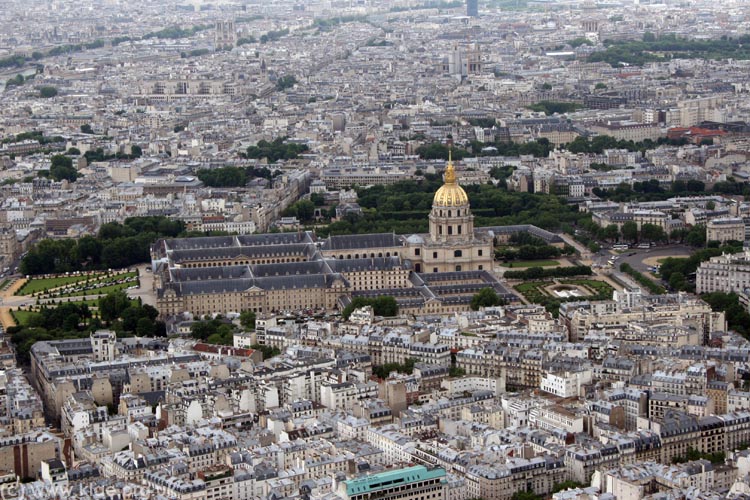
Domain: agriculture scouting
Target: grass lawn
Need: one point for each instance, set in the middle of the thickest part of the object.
(5, 284)
(101, 291)
(533, 263)
(39, 284)
(534, 290)
(22, 317)
(600, 287)
(664, 259)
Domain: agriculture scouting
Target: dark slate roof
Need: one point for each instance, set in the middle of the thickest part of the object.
(242, 284)
(202, 242)
(547, 236)
(235, 252)
(210, 273)
(290, 268)
(368, 264)
(273, 239)
(152, 398)
(361, 241)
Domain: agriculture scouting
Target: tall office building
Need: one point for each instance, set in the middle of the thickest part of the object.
(472, 8)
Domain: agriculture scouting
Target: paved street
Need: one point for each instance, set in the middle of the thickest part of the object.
(146, 290)
(638, 261)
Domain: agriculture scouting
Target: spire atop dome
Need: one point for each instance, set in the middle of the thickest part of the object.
(450, 193)
(450, 172)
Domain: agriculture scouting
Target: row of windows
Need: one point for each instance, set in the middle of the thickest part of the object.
(458, 268)
(365, 256)
(456, 253)
(450, 230)
(243, 262)
(458, 213)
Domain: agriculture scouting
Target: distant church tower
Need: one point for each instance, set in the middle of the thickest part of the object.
(224, 35)
(463, 60)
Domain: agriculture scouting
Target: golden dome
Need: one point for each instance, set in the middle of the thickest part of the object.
(450, 194)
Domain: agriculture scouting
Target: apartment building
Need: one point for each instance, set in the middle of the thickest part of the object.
(411, 483)
(724, 273)
(725, 229)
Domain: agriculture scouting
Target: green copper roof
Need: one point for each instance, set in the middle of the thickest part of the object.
(392, 478)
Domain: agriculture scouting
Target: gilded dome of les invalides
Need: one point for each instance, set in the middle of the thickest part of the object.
(450, 194)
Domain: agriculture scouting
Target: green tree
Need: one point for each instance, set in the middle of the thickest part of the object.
(384, 305)
(88, 250)
(223, 177)
(15, 81)
(611, 232)
(47, 91)
(318, 199)
(61, 161)
(285, 82)
(629, 231)
(696, 237)
(247, 320)
(267, 351)
(553, 107)
(567, 485)
(577, 42)
(652, 232)
(276, 150)
(145, 328)
(678, 234)
(385, 370)
(677, 281)
(652, 287)
(737, 316)
(202, 330)
(486, 297)
(86, 128)
(303, 209)
(525, 495)
(62, 168)
(112, 305)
